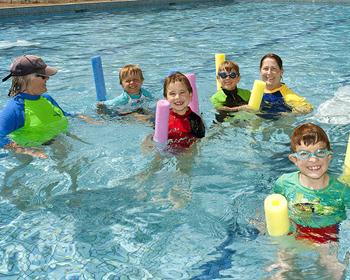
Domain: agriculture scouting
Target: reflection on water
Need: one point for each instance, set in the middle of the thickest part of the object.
(105, 206)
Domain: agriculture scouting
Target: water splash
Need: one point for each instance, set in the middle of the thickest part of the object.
(19, 43)
(335, 110)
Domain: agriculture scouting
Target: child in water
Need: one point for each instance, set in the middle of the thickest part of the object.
(185, 126)
(134, 97)
(317, 201)
(229, 98)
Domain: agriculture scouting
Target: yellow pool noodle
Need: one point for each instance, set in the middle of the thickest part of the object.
(345, 177)
(219, 58)
(276, 215)
(256, 95)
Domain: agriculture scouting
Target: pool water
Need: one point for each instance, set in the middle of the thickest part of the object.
(103, 206)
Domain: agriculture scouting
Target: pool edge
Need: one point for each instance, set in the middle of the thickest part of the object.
(57, 8)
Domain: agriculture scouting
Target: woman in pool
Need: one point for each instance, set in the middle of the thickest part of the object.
(278, 98)
(30, 118)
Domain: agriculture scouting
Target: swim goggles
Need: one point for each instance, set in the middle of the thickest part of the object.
(224, 75)
(304, 155)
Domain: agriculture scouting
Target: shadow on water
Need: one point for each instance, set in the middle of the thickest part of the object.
(212, 269)
(239, 229)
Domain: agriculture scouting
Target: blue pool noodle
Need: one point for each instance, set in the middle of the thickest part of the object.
(96, 63)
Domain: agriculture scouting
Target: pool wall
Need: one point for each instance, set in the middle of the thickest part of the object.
(10, 9)
(41, 9)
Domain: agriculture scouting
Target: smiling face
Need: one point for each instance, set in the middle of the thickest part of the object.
(132, 84)
(271, 73)
(178, 96)
(313, 171)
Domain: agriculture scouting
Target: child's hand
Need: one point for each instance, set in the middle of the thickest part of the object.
(101, 108)
(239, 108)
(89, 119)
(26, 151)
(243, 108)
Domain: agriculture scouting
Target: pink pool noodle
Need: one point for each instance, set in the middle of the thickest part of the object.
(194, 102)
(162, 120)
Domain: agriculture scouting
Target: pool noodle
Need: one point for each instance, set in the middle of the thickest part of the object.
(219, 58)
(161, 122)
(256, 95)
(194, 102)
(276, 215)
(96, 63)
(345, 177)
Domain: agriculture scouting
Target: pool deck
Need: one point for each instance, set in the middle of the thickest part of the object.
(10, 4)
(14, 8)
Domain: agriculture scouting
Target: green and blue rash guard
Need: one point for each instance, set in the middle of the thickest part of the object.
(280, 100)
(125, 103)
(31, 120)
(314, 208)
(229, 98)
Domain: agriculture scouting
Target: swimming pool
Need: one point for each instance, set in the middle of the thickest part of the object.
(103, 208)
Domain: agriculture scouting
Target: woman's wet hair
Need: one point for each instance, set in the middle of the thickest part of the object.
(273, 56)
(19, 83)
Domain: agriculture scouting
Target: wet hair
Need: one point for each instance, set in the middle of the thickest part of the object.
(176, 77)
(19, 83)
(273, 56)
(129, 70)
(228, 66)
(309, 134)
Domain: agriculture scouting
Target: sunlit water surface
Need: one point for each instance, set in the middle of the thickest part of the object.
(102, 207)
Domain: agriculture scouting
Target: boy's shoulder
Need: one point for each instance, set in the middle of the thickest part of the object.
(146, 93)
(336, 183)
(119, 100)
(286, 183)
(219, 93)
(288, 179)
(243, 90)
(244, 93)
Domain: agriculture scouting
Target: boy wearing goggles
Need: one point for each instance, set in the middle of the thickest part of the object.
(317, 201)
(229, 98)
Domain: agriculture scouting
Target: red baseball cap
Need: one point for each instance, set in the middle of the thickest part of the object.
(29, 64)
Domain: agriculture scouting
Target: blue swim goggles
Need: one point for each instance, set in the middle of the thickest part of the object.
(224, 75)
(304, 155)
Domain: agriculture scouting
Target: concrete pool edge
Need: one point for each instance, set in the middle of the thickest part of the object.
(87, 6)
(42, 8)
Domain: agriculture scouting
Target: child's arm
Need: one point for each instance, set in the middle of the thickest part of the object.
(278, 186)
(233, 109)
(34, 152)
(197, 125)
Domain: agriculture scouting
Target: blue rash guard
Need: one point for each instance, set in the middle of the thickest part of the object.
(129, 103)
(281, 100)
(12, 117)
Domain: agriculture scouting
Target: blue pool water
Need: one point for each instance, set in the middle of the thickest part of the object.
(104, 207)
